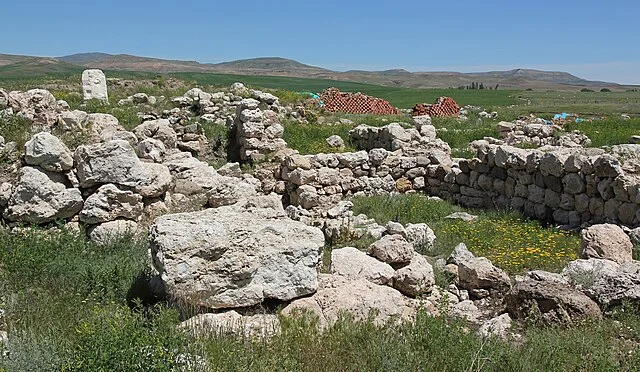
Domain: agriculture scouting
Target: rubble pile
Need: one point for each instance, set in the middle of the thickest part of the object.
(444, 106)
(355, 103)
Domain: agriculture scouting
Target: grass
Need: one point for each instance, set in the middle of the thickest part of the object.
(509, 241)
(609, 131)
(311, 139)
(66, 308)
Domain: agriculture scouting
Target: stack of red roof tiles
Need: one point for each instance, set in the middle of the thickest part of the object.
(444, 106)
(355, 103)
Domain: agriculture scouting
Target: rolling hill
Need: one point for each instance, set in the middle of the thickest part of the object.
(276, 66)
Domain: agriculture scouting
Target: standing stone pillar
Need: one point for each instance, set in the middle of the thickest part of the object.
(94, 85)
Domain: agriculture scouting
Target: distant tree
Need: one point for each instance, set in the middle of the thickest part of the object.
(586, 90)
(481, 86)
(529, 89)
(605, 90)
(496, 88)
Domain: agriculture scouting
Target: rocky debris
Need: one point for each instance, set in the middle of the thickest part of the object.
(392, 249)
(257, 137)
(198, 184)
(444, 106)
(394, 136)
(355, 103)
(463, 216)
(479, 273)
(107, 232)
(157, 182)
(5, 193)
(416, 278)
(467, 310)
(549, 301)
(94, 85)
(110, 203)
(37, 105)
(235, 256)
(335, 142)
(532, 131)
(459, 254)
(151, 149)
(351, 262)
(109, 162)
(606, 241)
(138, 99)
(420, 235)
(358, 297)
(159, 129)
(498, 327)
(47, 151)
(231, 322)
(39, 197)
(607, 282)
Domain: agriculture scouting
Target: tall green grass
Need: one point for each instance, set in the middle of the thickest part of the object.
(510, 241)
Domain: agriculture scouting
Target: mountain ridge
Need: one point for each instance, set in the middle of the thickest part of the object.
(519, 78)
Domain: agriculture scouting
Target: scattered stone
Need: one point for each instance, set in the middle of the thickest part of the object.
(463, 216)
(549, 301)
(109, 162)
(358, 297)
(110, 203)
(48, 152)
(111, 231)
(606, 241)
(460, 253)
(498, 327)
(351, 262)
(416, 278)
(335, 141)
(40, 197)
(231, 322)
(479, 273)
(392, 249)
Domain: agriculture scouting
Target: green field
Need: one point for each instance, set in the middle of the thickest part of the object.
(509, 103)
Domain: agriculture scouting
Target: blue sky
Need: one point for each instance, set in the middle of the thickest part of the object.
(598, 40)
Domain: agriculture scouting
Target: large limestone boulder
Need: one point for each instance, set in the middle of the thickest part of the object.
(392, 249)
(550, 301)
(109, 203)
(607, 282)
(231, 322)
(108, 232)
(40, 197)
(416, 278)
(201, 184)
(94, 85)
(235, 256)
(109, 162)
(157, 182)
(37, 105)
(48, 152)
(358, 297)
(479, 273)
(606, 241)
(159, 129)
(351, 262)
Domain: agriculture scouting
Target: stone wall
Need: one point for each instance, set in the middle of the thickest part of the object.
(569, 186)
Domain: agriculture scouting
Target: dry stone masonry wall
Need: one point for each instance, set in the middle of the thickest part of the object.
(570, 186)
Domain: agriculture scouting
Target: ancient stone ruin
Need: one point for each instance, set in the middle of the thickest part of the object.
(94, 85)
(241, 239)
